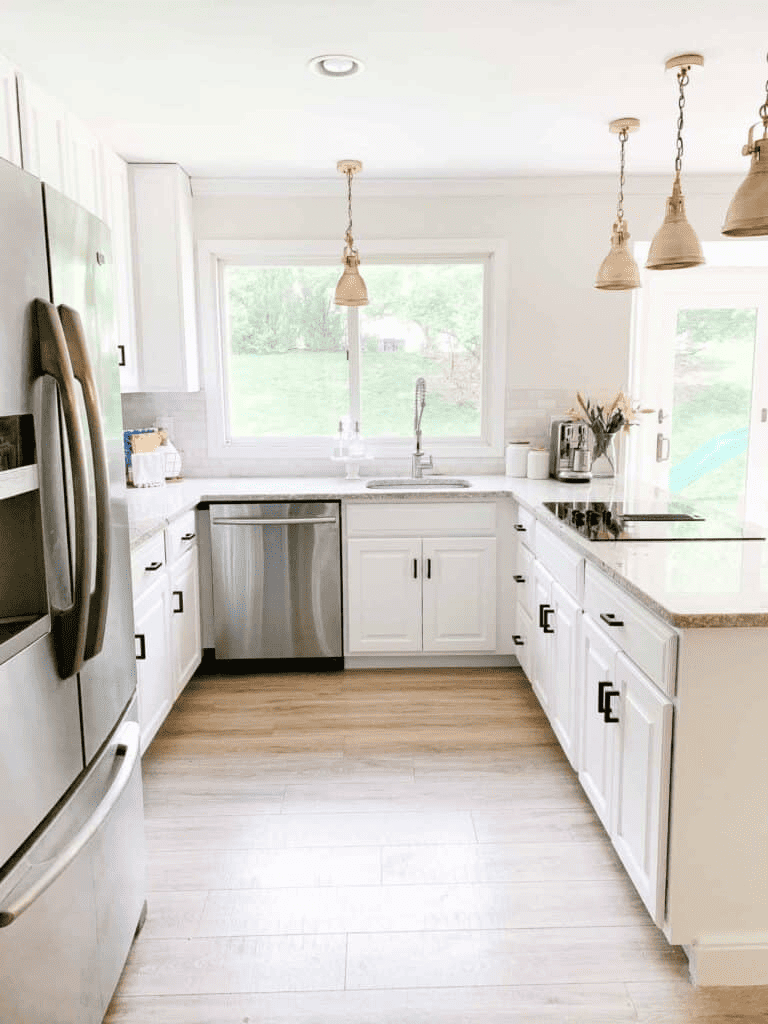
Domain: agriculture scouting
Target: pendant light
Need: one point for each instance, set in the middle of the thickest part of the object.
(351, 290)
(675, 244)
(748, 213)
(618, 271)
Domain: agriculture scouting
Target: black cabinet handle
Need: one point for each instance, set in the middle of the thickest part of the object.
(610, 619)
(188, 536)
(517, 640)
(153, 567)
(519, 528)
(180, 595)
(415, 568)
(519, 579)
(121, 350)
(544, 611)
(429, 568)
(604, 695)
(142, 655)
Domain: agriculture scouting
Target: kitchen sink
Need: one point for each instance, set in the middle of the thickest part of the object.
(412, 481)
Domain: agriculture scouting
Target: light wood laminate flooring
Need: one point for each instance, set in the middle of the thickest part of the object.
(388, 847)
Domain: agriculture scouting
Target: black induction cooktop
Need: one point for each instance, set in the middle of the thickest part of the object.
(658, 520)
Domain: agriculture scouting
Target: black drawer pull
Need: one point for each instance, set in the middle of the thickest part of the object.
(188, 536)
(519, 528)
(544, 611)
(517, 640)
(519, 579)
(142, 655)
(121, 350)
(604, 701)
(153, 567)
(610, 619)
(180, 595)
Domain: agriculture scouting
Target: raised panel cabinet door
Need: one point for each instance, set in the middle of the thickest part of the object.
(86, 176)
(641, 783)
(524, 578)
(459, 593)
(185, 618)
(384, 594)
(45, 149)
(154, 659)
(543, 627)
(598, 737)
(117, 216)
(564, 675)
(10, 141)
(523, 639)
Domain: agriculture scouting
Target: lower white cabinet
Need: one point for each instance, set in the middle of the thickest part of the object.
(154, 661)
(625, 760)
(430, 594)
(185, 618)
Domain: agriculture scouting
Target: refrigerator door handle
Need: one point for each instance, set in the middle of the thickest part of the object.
(69, 624)
(83, 371)
(36, 881)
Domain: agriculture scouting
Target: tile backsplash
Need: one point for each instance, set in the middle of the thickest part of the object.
(527, 417)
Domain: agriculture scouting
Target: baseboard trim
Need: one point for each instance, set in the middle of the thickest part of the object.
(716, 964)
(354, 661)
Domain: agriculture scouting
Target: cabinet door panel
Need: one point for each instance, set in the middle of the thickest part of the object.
(641, 797)
(117, 216)
(542, 646)
(598, 738)
(185, 618)
(384, 594)
(459, 588)
(525, 585)
(44, 136)
(10, 146)
(154, 671)
(524, 650)
(564, 675)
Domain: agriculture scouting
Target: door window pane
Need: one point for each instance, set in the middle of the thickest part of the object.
(285, 343)
(714, 356)
(423, 320)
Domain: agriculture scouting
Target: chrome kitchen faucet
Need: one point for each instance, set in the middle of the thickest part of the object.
(419, 461)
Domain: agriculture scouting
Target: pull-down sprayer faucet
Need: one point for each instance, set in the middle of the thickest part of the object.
(419, 461)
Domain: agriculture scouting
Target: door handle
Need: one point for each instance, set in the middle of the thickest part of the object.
(662, 452)
(41, 876)
(519, 528)
(69, 625)
(517, 640)
(519, 579)
(180, 595)
(610, 619)
(544, 611)
(604, 695)
(153, 567)
(121, 350)
(188, 536)
(415, 568)
(429, 568)
(142, 655)
(83, 371)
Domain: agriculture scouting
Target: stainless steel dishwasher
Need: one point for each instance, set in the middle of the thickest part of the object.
(276, 580)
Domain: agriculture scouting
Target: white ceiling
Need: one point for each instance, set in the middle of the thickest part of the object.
(452, 88)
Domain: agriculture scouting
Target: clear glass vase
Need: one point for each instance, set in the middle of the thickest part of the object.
(604, 457)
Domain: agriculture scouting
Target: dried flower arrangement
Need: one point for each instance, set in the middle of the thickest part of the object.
(606, 421)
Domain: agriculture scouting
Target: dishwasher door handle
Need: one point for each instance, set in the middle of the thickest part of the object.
(274, 522)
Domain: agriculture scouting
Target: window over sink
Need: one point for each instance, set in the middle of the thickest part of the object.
(284, 363)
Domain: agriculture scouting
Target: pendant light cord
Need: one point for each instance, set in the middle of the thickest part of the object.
(623, 136)
(682, 77)
(348, 236)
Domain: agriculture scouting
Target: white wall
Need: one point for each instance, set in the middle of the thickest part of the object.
(564, 334)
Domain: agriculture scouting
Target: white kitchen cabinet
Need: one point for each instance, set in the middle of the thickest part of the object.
(564, 675)
(118, 218)
(166, 321)
(154, 668)
(185, 618)
(597, 735)
(384, 586)
(85, 173)
(458, 594)
(44, 123)
(543, 650)
(10, 140)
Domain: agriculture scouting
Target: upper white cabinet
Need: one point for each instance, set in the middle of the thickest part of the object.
(161, 201)
(10, 141)
(44, 136)
(85, 174)
(117, 215)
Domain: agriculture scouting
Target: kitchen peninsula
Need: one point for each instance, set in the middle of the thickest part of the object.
(682, 785)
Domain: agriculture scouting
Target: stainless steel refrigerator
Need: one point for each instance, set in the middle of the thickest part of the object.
(71, 814)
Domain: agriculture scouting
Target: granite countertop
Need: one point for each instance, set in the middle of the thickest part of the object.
(689, 584)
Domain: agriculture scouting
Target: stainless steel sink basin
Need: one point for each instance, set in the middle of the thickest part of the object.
(408, 482)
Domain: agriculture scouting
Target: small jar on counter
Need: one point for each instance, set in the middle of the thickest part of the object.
(538, 464)
(516, 460)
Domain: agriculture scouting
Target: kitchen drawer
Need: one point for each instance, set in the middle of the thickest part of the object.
(526, 527)
(146, 562)
(180, 535)
(524, 578)
(565, 563)
(649, 642)
(421, 519)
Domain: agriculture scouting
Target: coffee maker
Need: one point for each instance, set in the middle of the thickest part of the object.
(570, 451)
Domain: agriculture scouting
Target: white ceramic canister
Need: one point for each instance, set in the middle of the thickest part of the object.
(516, 461)
(538, 464)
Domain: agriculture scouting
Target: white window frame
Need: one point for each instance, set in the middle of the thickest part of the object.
(214, 254)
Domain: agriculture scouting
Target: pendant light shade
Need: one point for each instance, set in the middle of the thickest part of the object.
(675, 245)
(351, 290)
(748, 213)
(618, 271)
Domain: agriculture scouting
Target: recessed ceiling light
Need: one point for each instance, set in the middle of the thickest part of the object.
(336, 65)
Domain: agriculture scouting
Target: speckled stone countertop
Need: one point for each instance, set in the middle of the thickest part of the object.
(696, 584)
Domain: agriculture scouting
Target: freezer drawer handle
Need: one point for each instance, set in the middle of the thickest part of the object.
(180, 595)
(41, 876)
(274, 522)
